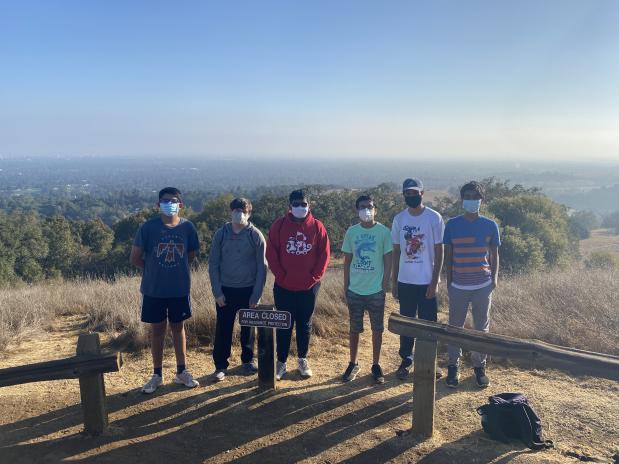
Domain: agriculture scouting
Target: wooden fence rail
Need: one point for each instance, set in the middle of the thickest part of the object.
(88, 366)
(537, 353)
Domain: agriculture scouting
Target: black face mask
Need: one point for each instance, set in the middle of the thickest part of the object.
(413, 201)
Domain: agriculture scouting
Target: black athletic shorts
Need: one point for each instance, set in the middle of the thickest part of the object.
(155, 310)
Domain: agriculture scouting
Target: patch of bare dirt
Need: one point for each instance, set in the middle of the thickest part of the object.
(319, 420)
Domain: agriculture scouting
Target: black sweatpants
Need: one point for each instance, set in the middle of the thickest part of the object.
(301, 306)
(413, 303)
(236, 298)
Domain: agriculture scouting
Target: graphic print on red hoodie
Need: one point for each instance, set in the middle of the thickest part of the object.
(298, 252)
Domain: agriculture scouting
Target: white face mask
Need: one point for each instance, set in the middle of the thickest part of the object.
(239, 217)
(300, 211)
(366, 214)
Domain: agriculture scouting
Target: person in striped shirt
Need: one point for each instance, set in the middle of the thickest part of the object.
(472, 264)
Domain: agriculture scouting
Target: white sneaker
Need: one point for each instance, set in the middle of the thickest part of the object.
(186, 379)
(155, 381)
(304, 368)
(280, 371)
(219, 375)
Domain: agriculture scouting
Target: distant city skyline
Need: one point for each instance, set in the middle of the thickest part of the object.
(523, 80)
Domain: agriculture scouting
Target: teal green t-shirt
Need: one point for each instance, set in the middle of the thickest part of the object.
(368, 246)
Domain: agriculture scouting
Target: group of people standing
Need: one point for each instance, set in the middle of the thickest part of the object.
(297, 251)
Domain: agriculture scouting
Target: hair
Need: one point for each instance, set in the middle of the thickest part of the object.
(475, 186)
(298, 195)
(170, 191)
(242, 203)
(364, 197)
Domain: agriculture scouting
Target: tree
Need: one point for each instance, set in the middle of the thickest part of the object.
(540, 218)
(63, 247)
(96, 236)
(520, 253)
(582, 222)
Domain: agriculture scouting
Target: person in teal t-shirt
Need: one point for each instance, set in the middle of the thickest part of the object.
(367, 252)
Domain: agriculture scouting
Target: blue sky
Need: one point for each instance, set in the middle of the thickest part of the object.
(439, 79)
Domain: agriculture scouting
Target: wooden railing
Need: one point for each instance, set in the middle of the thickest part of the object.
(88, 366)
(537, 353)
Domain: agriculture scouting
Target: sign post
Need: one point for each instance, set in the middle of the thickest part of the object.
(267, 320)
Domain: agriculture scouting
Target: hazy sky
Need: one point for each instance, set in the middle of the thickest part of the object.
(522, 79)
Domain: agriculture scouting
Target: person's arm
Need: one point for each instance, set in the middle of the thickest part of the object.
(324, 253)
(494, 265)
(395, 262)
(347, 261)
(137, 257)
(272, 252)
(261, 272)
(214, 268)
(387, 260)
(436, 270)
(395, 270)
(194, 244)
(448, 264)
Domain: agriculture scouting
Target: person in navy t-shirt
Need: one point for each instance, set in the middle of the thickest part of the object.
(164, 247)
(472, 265)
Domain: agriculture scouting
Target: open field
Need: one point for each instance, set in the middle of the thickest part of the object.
(600, 240)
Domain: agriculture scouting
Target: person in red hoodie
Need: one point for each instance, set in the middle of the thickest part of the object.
(298, 255)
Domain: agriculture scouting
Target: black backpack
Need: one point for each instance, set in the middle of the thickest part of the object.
(508, 416)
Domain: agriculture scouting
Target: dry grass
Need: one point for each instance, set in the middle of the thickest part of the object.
(576, 307)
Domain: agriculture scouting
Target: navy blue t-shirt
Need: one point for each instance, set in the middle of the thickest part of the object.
(166, 263)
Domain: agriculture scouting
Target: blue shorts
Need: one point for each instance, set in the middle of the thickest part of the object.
(156, 310)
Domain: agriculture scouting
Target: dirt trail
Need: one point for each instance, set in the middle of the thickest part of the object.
(316, 420)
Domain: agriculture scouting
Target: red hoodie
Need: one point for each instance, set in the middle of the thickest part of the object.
(298, 252)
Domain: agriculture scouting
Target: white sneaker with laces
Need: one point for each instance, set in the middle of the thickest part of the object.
(280, 371)
(304, 368)
(219, 375)
(185, 378)
(155, 381)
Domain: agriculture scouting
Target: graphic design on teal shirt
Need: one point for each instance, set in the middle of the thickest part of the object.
(364, 245)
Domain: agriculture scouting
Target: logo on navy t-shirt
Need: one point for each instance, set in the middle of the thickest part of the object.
(170, 247)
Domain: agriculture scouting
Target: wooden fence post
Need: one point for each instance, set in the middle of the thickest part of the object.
(424, 386)
(266, 358)
(92, 388)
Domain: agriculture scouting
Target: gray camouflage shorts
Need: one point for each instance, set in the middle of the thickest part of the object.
(374, 304)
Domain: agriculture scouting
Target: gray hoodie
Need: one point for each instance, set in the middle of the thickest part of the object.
(238, 260)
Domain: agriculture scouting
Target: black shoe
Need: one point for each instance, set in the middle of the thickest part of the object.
(404, 369)
(250, 368)
(377, 373)
(481, 378)
(453, 376)
(351, 372)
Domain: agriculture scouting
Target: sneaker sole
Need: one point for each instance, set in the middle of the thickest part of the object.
(380, 380)
(451, 386)
(306, 376)
(180, 382)
(481, 385)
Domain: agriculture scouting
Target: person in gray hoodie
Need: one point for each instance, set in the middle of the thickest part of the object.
(237, 269)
